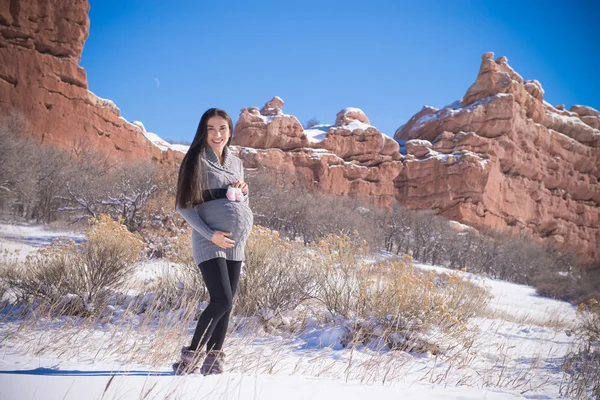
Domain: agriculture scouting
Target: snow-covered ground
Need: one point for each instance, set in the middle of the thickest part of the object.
(515, 352)
(28, 238)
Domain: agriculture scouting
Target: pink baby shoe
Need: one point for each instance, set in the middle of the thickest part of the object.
(239, 196)
(231, 193)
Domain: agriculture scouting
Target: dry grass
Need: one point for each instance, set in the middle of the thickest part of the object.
(582, 374)
(582, 366)
(72, 279)
(392, 312)
(275, 278)
(174, 288)
(589, 320)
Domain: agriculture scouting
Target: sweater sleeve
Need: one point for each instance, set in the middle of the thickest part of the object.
(192, 218)
(242, 175)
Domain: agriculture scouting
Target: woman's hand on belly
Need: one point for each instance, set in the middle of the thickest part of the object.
(220, 239)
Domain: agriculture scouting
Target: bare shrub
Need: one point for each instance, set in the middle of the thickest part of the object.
(338, 267)
(275, 277)
(397, 229)
(582, 367)
(588, 283)
(52, 169)
(406, 302)
(565, 279)
(429, 238)
(282, 202)
(98, 185)
(78, 279)
(30, 175)
(582, 373)
(589, 320)
(165, 232)
(556, 286)
(10, 126)
(311, 122)
(132, 185)
(41, 182)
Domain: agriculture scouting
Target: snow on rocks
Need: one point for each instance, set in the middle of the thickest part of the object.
(103, 103)
(349, 115)
(317, 133)
(273, 107)
(433, 115)
(157, 141)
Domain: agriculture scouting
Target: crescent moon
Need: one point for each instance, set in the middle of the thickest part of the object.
(157, 82)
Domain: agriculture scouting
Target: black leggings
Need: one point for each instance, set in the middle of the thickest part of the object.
(221, 278)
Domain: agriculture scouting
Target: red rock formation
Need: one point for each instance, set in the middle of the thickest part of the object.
(500, 158)
(525, 165)
(349, 158)
(269, 128)
(314, 168)
(40, 78)
(351, 138)
(349, 115)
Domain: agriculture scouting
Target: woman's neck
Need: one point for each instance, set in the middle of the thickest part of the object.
(220, 155)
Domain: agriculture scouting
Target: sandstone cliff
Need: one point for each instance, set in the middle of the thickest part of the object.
(525, 165)
(40, 79)
(501, 158)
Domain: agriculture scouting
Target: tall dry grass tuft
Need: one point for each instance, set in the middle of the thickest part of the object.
(339, 269)
(582, 367)
(275, 278)
(176, 287)
(408, 301)
(589, 320)
(72, 279)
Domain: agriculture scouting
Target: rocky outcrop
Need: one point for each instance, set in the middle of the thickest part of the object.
(350, 157)
(500, 158)
(349, 115)
(269, 128)
(526, 165)
(323, 170)
(41, 80)
(351, 138)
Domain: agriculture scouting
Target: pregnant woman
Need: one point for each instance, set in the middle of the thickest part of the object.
(221, 224)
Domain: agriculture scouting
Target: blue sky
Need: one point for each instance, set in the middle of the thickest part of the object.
(165, 63)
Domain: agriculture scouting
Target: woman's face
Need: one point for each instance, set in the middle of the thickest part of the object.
(218, 133)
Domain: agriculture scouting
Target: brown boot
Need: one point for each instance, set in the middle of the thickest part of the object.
(213, 363)
(188, 363)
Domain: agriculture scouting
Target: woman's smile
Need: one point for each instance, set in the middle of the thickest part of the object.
(218, 133)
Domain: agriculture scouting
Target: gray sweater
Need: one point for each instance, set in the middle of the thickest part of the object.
(220, 214)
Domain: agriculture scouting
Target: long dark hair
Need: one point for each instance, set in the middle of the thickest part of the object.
(191, 180)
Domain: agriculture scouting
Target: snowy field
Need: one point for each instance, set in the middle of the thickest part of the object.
(515, 352)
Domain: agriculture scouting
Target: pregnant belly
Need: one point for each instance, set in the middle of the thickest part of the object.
(229, 216)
